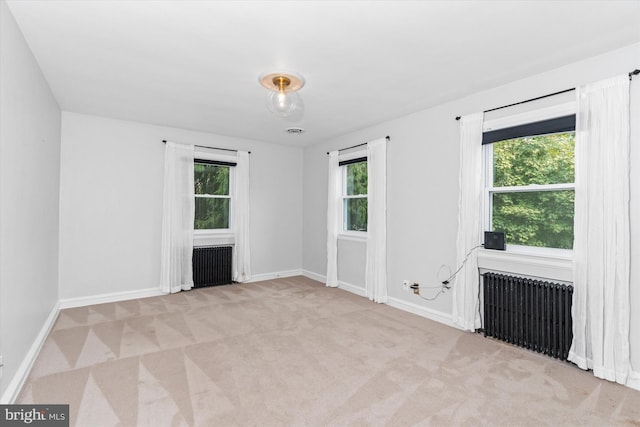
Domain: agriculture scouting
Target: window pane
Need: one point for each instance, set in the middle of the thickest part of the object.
(211, 213)
(356, 178)
(543, 159)
(211, 179)
(539, 218)
(355, 214)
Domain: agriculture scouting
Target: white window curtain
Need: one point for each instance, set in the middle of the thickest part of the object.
(178, 211)
(376, 261)
(601, 257)
(240, 221)
(465, 290)
(334, 213)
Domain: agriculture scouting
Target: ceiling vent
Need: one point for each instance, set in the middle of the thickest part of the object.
(295, 131)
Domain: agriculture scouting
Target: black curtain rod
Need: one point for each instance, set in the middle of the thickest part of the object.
(164, 141)
(359, 145)
(526, 101)
(631, 74)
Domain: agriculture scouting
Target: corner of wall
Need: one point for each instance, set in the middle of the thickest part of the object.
(30, 140)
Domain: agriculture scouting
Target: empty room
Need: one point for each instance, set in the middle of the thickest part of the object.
(319, 213)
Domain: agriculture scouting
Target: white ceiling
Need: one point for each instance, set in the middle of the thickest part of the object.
(195, 64)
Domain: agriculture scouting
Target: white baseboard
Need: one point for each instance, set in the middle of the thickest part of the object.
(419, 310)
(276, 275)
(110, 297)
(434, 315)
(13, 389)
(314, 276)
(354, 289)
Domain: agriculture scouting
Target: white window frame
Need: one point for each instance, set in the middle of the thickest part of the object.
(487, 208)
(350, 234)
(221, 235)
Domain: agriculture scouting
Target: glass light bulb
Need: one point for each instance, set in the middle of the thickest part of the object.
(282, 104)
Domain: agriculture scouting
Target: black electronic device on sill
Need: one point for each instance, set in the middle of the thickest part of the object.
(494, 240)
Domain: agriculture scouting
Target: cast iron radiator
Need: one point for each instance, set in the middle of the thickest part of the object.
(212, 265)
(529, 313)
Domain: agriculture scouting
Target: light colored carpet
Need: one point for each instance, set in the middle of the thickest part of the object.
(293, 352)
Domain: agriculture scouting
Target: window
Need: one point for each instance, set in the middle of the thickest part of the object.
(354, 194)
(529, 186)
(212, 184)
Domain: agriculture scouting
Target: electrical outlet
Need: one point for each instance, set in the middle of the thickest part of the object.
(405, 285)
(416, 288)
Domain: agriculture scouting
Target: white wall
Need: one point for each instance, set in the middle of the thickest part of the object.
(29, 189)
(111, 203)
(421, 202)
(422, 190)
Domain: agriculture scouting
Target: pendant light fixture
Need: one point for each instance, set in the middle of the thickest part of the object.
(282, 99)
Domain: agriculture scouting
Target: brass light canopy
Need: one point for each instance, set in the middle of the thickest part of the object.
(282, 82)
(277, 81)
(282, 99)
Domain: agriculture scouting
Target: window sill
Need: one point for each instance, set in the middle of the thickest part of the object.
(210, 237)
(549, 266)
(353, 236)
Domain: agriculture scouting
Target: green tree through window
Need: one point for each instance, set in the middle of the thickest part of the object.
(542, 214)
(211, 185)
(355, 197)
